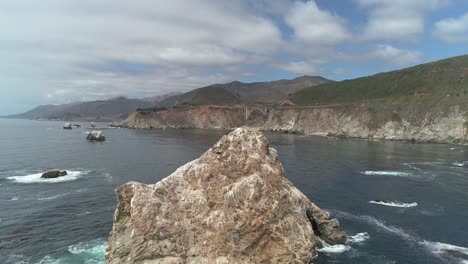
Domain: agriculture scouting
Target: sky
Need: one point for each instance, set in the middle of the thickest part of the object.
(61, 51)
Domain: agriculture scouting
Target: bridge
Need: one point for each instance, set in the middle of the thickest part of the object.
(250, 110)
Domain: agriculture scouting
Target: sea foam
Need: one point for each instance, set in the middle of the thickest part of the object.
(388, 173)
(36, 178)
(443, 251)
(394, 204)
(358, 238)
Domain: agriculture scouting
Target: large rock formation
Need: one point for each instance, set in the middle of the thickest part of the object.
(231, 205)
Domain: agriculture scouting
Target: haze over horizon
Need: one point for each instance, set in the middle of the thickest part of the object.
(57, 51)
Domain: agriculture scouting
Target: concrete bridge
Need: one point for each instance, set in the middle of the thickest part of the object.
(249, 110)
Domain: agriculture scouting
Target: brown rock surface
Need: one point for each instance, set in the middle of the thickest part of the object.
(231, 205)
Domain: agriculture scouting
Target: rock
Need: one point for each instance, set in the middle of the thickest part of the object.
(53, 174)
(76, 125)
(67, 126)
(231, 205)
(96, 136)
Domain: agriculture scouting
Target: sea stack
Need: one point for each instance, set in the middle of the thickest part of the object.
(231, 205)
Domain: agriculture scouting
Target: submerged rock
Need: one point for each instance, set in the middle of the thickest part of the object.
(231, 205)
(96, 136)
(53, 174)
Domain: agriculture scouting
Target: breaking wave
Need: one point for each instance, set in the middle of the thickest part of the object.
(394, 204)
(335, 249)
(36, 178)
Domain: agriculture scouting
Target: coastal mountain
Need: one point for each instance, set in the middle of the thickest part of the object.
(236, 92)
(114, 108)
(444, 78)
(424, 103)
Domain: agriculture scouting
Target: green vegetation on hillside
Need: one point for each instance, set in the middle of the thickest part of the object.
(273, 92)
(213, 94)
(447, 77)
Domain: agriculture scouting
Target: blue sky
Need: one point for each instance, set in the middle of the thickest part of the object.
(60, 51)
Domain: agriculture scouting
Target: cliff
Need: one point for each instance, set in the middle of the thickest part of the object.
(231, 205)
(427, 119)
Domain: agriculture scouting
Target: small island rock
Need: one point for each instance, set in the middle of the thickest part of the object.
(53, 174)
(96, 136)
(231, 205)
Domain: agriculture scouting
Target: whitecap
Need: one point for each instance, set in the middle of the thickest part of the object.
(36, 178)
(394, 204)
(388, 173)
(358, 238)
(14, 198)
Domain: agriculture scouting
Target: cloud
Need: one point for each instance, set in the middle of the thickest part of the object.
(397, 19)
(396, 56)
(299, 67)
(74, 45)
(452, 30)
(312, 25)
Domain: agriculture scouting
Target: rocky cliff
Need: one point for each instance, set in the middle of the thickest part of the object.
(231, 205)
(439, 120)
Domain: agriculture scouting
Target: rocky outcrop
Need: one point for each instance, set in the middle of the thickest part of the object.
(53, 174)
(231, 205)
(96, 136)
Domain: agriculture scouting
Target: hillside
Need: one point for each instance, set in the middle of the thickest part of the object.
(448, 77)
(248, 93)
(115, 108)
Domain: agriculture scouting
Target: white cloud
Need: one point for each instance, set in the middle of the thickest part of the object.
(396, 56)
(453, 30)
(56, 45)
(299, 67)
(397, 19)
(315, 26)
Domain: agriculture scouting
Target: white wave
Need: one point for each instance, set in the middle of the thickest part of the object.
(388, 173)
(14, 198)
(358, 238)
(334, 249)
(394, 204)
(36, 178)
(459, 164)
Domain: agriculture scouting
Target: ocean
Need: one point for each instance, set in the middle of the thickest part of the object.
(398, 202)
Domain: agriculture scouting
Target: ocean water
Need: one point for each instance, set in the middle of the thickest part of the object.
(398, 202)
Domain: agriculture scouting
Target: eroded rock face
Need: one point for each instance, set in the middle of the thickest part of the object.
(231, 205)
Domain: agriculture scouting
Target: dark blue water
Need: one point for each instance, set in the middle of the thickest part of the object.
(68, 220)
